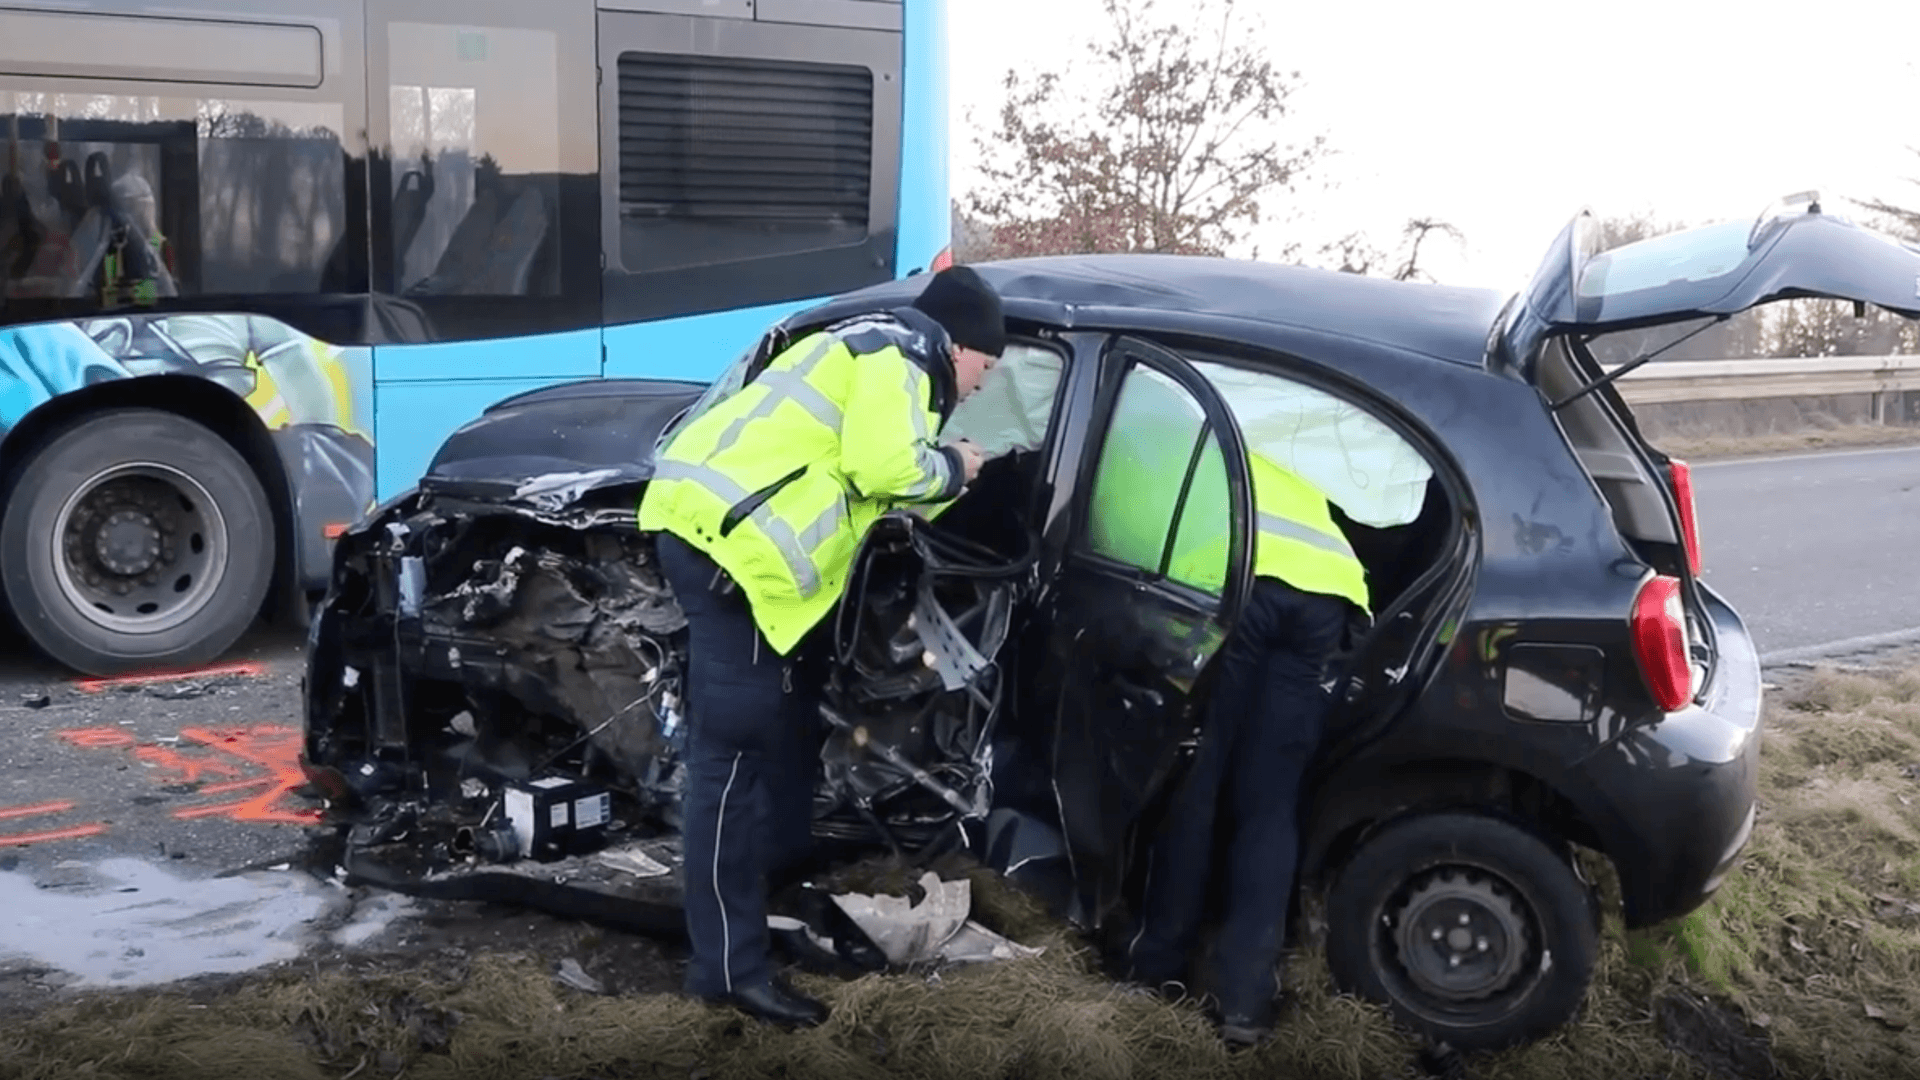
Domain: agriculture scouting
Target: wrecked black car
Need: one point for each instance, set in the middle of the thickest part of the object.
(492, 697)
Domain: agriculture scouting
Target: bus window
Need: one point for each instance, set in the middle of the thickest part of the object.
(746, 163)
(488, 113)
(116, 201)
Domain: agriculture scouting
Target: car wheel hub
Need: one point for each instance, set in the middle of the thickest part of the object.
(1459, 937)
(142, 548)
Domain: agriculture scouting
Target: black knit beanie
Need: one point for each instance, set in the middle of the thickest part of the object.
(961, 301)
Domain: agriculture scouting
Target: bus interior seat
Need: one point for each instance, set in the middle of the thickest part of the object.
(410, 208)
(491, 253)
(86, 198)
(21, 232)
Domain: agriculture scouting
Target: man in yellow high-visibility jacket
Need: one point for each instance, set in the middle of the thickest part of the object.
(759, 505)
(1263, 724)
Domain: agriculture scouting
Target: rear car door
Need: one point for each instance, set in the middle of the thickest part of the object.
(1156, 569)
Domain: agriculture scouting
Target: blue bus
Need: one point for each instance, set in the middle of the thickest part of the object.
(258, 258)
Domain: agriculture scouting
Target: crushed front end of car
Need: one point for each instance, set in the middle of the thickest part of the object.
(493, 701)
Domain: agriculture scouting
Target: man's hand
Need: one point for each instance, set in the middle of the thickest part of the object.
(972, 456)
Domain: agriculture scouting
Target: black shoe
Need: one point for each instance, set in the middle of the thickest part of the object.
(776, 1004)
(1244, 1028)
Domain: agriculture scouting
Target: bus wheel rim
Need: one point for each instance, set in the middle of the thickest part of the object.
(140, 548)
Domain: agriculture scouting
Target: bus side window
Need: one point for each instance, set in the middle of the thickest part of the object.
(485, 215)
(120, 202)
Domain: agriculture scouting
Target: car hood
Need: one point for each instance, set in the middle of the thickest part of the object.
(550, 447)
(1713, 270)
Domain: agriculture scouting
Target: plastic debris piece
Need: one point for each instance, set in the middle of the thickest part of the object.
(572, 974)
(909, 933)
(937, 928)
(633, 861)
(976, 944)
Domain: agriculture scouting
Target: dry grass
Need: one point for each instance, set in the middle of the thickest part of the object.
(1807, 964)
(1707, 446)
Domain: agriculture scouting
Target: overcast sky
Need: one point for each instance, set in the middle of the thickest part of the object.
(1506, 117)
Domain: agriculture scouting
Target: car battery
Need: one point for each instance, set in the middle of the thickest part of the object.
(554, 817)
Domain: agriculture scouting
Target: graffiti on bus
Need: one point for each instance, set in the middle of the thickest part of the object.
(315, 398)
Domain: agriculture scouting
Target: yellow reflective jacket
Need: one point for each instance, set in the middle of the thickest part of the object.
(1299, 542)
(1295, 537)
(779, 482)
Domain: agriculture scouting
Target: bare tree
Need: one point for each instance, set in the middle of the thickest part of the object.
(1170, 145)
(1354, 253)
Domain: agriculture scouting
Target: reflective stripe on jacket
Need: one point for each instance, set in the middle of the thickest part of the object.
(779, 482)
(1299, 542)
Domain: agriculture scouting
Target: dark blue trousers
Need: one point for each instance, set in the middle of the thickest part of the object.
(1263, 723)
(753, 751)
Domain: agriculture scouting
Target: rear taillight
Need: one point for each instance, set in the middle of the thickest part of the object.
(943, 260)
(1689, 521)
(1660, 642)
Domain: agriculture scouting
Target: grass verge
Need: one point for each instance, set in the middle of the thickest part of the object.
(1706, 447)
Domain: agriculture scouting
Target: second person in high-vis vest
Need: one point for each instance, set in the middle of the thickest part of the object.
(759, 505)
(1262, 727)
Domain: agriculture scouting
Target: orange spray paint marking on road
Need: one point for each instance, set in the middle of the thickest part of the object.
(265, 756)
(272, 747)
(39, 809)
(30, 811)
(250, 669)
(95, 738)
(185, 770)
(71, 833)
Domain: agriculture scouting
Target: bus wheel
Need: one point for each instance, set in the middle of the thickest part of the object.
(136, 540)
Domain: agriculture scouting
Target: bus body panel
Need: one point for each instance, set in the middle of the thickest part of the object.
(370, 258)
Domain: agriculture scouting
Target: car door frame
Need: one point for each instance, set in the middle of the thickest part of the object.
(1099, 850)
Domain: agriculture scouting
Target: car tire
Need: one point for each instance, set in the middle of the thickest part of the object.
(135, 540)
(1518, 967)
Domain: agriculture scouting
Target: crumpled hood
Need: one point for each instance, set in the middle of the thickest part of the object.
(550, 448)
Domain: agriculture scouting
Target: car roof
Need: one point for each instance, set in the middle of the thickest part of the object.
(1195, 294)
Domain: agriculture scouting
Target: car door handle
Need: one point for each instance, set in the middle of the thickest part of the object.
(1133, 693)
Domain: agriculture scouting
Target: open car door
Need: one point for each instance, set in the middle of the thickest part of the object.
(1157, 569)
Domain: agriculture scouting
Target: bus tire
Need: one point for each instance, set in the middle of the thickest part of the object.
(136, 540)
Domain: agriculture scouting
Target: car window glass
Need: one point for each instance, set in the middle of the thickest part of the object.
(1363, 466)
(1011, 410)
(1199, 555)
(1137, 503)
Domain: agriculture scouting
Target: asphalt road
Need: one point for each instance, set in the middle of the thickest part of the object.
(1817, 551)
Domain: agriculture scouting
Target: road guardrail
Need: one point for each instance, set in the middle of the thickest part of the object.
(1738, 380)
